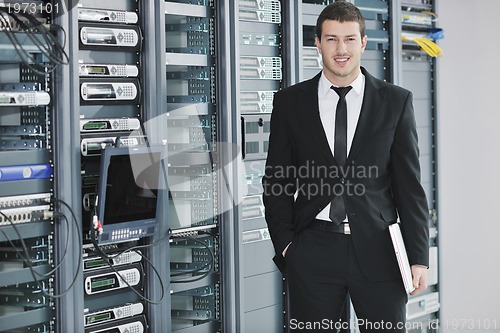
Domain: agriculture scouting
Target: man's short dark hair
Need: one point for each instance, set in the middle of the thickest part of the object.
(341, 11)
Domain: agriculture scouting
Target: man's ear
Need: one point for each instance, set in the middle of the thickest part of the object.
(364, 40)
(317, 42)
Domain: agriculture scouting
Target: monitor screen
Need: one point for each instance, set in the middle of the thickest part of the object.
(131, 178)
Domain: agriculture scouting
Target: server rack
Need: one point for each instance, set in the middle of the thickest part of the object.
(29, 264)
(165, 112)
(110, 71)
(119, 66)
(192, 119)
(261, 32)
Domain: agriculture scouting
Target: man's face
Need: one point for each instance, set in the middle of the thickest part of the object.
(341, 46)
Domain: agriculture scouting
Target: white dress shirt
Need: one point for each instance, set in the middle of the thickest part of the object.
(328, 100)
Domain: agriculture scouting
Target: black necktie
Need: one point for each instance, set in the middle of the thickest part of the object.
(337, 206)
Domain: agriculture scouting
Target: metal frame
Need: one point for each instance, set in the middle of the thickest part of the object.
(154, 106)
(228, 81)
(396, 72)
(67, 159)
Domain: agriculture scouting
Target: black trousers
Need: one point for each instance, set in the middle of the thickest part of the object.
(322, 269)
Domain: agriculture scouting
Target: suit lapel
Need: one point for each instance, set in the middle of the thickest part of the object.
(310, 118)
(372, 102)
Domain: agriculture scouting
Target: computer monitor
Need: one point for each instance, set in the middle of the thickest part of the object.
(131, 179)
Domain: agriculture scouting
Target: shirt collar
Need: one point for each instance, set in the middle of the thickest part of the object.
(325, 84)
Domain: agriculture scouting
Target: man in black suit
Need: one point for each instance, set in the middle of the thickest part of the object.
(331, 189)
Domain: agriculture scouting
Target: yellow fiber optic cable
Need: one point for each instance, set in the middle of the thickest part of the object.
(427, 45)
(434, 15)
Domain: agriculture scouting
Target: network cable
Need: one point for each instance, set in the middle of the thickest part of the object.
(28, 261)
(41, 37)
(167, 237)
(434, 15)
(209, 264)
(431, 48)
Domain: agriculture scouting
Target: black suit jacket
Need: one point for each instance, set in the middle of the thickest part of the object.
(382, 166)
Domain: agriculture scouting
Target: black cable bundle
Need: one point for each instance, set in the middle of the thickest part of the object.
(40, 35)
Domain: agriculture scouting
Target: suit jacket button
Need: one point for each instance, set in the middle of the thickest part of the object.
(342, 180)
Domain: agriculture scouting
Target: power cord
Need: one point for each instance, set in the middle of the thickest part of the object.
(108, 259)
